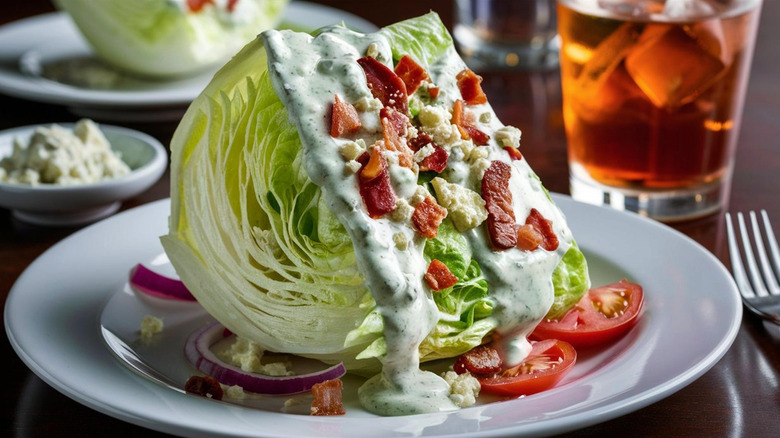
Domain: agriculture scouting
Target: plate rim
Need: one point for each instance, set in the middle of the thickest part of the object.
(599, 414)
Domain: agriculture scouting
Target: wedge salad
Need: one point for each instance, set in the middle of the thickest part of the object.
(353, 198)
(170, 38)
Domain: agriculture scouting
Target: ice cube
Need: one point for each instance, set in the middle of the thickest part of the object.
(618, 96)
(607, 56)
(632, 9)
(688, 9)
(677, 66)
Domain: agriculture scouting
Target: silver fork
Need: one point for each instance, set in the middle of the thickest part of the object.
(759, 286)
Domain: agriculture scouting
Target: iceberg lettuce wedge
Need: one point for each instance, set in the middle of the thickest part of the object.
(269, 231)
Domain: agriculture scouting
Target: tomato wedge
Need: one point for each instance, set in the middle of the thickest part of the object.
(602, 315)
(546, 364)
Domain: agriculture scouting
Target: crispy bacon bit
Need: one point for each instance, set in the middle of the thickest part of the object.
(420, 140)
(483, 359)
(543, 226)
(374, 165)
(458, 119)
(479, 137)
(411, 73)
(204, 386)
(433, 92)
(465, 122)
(436, 161)
(470, 88)
(439, 276)
(384, 84)
(394, 142)
(198, 5)
(375, 187)
(327, 398)
(344, 118)
(528, 237)
(427, 217)
(502, 228)
(398, 120)
(514, 153)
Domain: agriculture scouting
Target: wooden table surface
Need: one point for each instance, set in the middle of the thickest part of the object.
(739, 396)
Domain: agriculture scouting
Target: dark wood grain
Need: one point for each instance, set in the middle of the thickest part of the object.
(739, 396)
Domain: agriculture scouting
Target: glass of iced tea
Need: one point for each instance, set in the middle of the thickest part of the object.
(653, 92)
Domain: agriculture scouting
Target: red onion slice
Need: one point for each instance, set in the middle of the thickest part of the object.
(199, 354)
(152, 283)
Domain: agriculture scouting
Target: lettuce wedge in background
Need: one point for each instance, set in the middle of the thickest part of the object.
(264, 250)
(170, 38)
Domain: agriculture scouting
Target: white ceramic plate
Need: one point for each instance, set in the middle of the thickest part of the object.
(53, 320)
(29, 48)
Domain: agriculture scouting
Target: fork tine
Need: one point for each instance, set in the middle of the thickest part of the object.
(766, 268)
(753, 271)
(775, 251)
(736, 261)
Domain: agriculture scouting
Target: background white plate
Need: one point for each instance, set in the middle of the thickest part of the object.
(27, 44)
(691, 317)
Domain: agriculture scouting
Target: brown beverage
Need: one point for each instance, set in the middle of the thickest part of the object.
(653, 101)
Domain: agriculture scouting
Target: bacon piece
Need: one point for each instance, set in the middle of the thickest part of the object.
(411, 73)
(439, 276)
(384, 84)
(374, 184)
(465, 122)
(501, 225)
(470, 88)
(482, 359)
(433, 92)
(420, 140)
(513, 152)
(479, 137)
(374, 165)
(198, 5)
(204, 386)
(327, 398)
(435, 161)
(543, 226)
(528, 237)
(427, 217)
(344, 118)
(396, 118)
(394, 142)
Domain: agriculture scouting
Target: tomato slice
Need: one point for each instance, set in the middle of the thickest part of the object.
(602, 315)
(546, 364)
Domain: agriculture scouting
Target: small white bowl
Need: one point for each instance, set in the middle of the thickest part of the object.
(53, 205)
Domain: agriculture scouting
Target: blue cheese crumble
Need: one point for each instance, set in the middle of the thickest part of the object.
(57, 155)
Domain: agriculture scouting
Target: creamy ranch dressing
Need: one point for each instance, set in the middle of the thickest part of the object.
(306, 73)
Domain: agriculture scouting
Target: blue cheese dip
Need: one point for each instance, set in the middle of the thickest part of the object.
(306, 73)
(60, 156)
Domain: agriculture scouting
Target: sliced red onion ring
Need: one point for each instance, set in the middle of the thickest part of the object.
(152, 283)
(199, 354)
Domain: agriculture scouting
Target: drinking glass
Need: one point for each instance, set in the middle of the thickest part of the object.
(653, 93)
(506, 34)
